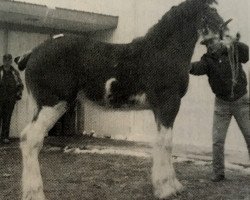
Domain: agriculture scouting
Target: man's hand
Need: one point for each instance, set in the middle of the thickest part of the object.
(220, 50)
(227, 42)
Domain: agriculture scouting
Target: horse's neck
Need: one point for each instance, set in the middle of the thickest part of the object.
(183, 39)
(178, 24)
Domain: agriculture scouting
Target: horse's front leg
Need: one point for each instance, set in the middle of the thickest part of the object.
(163, 174)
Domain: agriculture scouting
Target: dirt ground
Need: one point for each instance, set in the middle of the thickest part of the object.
(69, 176)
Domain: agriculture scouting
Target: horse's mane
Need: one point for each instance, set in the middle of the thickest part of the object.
(185, 12)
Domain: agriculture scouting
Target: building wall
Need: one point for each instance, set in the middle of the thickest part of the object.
(1, 42)
(19, 43)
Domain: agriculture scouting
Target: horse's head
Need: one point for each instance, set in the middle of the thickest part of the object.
(219, 39)
(214, 30)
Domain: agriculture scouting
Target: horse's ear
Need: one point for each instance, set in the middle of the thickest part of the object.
(16, 59)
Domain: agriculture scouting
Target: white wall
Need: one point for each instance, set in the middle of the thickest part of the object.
(2, 46)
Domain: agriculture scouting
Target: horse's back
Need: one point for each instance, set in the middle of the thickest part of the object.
(51, 71)
(63, 66)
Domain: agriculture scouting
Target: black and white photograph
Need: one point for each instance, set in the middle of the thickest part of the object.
(124, 100)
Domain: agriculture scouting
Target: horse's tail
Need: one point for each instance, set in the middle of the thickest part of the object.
(22, 61)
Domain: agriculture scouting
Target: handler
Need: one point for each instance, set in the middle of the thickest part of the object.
(10, 91)
(222, 65)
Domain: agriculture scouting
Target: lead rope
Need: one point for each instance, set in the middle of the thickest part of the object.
(1, 75)
(234, 64)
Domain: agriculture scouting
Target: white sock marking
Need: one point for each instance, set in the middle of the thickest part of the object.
(32, 140)
(163, 174)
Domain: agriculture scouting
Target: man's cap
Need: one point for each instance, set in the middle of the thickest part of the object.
(211, 36)
(7, 57)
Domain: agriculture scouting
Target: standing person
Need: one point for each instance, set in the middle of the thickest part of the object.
(10, 91)
(222, 65)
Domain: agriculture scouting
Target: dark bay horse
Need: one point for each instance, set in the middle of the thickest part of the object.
(152, 71)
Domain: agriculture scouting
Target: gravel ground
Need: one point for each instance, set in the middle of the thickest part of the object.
(69, 176)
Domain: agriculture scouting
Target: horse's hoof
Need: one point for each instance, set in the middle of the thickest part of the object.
(167, 189)
(34, 195)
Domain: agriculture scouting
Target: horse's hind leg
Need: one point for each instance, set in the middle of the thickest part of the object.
(31, 143)
(163, 174)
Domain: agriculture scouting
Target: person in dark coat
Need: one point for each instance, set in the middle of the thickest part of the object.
(223, 65)
(11, 88)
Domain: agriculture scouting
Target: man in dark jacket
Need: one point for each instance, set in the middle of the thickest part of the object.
(10, 91)
(222, 65)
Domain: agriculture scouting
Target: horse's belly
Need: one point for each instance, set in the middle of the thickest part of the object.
(133, 102)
